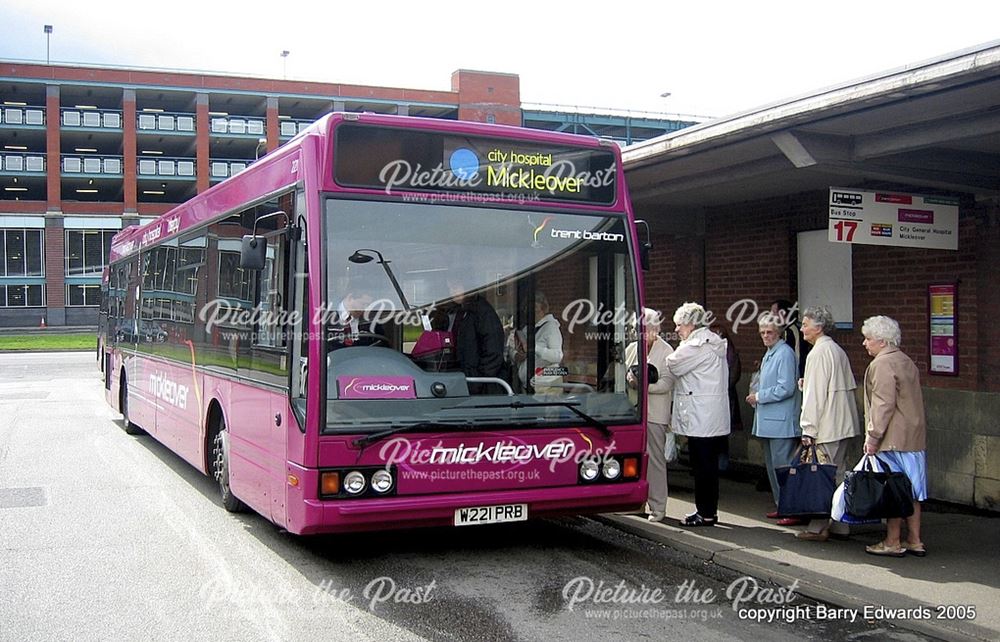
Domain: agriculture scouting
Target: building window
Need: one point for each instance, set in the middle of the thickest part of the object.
(21, 256)
(21, 252)
(87, 251)
(22, 296)
(79, 295)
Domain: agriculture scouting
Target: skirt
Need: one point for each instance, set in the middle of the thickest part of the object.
(913, 464)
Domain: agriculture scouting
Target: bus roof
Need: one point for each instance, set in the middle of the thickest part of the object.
(280, 170)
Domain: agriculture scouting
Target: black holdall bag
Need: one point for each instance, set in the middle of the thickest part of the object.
(806, 486)
(877, 494)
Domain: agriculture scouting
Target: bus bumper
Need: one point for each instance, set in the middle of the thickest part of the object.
(313, 516)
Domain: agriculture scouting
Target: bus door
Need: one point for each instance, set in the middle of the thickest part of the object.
(259, 415)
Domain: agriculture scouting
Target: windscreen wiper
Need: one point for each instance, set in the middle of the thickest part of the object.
(571, 405)
(367, 440)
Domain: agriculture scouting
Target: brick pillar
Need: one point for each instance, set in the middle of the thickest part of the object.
(129, 151)
(488, 97)
(273, 124)
(55, 270)
(52, 149)
(203, 129)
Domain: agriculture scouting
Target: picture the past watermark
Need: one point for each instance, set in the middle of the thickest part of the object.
(380, 591)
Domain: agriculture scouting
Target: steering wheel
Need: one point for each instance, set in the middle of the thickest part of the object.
(341, 340)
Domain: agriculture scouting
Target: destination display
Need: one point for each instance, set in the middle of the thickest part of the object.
(403, 160)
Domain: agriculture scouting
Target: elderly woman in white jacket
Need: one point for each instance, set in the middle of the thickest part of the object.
(548, 349)
(700, 377)
(829, 410)
(657, 410)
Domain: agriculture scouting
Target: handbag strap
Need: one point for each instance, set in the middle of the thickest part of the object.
(883, 464)
(809, 454)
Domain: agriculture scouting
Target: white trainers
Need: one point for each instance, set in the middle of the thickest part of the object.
(656, 517)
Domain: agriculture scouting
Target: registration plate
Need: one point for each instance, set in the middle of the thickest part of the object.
(491, 514)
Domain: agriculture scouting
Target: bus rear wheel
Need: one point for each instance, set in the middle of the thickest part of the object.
(220, 467)
(129, 427)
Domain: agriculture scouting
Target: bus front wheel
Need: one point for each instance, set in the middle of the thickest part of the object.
(220, 467)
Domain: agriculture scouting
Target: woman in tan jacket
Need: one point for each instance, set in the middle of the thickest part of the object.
(895, 427)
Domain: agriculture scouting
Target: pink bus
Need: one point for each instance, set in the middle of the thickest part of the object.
(340, 333)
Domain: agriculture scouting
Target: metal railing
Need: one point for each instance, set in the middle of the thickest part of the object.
(291, 127)
(220, 168)
(30, 116)
(22, 163)
(166, 167)
(238, 125)
(92, 118)
(91, 165)
(165, 122)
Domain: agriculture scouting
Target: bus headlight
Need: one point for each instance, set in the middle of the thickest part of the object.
(589, 470)
(611, 469)
(381, 481)
(354, 483)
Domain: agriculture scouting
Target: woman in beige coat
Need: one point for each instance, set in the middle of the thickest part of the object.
(829, 411)
(657, 410)
(895, 427)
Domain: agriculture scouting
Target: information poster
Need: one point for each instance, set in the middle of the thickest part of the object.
(943, 329)
(892, 218)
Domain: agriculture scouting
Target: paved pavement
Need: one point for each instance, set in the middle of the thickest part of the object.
(961, 569)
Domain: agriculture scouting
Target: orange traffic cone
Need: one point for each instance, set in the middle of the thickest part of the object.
(42, 326)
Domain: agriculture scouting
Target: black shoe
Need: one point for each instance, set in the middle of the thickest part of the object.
(694, 519)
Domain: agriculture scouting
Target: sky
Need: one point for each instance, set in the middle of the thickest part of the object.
(713, 58)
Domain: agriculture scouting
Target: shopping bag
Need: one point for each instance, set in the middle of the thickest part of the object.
(670, 447)
(877, 494)
(839, 506)
(806, 485)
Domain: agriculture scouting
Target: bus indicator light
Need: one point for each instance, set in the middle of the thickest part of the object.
(293, 480)
(330, 483)
(630, 468)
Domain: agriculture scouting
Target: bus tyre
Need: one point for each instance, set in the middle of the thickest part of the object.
(129, 427)
(220, 468)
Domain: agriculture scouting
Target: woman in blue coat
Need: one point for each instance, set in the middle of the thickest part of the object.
(776, 419)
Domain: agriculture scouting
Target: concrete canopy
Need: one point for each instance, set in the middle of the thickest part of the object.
(934, 124)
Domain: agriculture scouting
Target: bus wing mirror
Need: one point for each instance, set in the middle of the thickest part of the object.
(253, 252)
(644, 256)
(644, 247)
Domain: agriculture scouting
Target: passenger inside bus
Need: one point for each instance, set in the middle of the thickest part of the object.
(478, 336)
(548, 350)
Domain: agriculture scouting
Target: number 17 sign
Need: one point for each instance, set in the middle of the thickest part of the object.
(887, 218)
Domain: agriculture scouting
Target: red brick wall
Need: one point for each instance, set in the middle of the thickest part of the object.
(55, 263)
(53, 162)
(481, 94)
(988, 299)
(893, 282)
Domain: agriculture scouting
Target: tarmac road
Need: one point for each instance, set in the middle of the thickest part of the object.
(107, 536)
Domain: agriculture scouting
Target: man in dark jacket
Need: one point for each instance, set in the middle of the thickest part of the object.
(479, 338)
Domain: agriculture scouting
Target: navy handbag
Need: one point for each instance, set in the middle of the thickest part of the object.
(806, 486)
